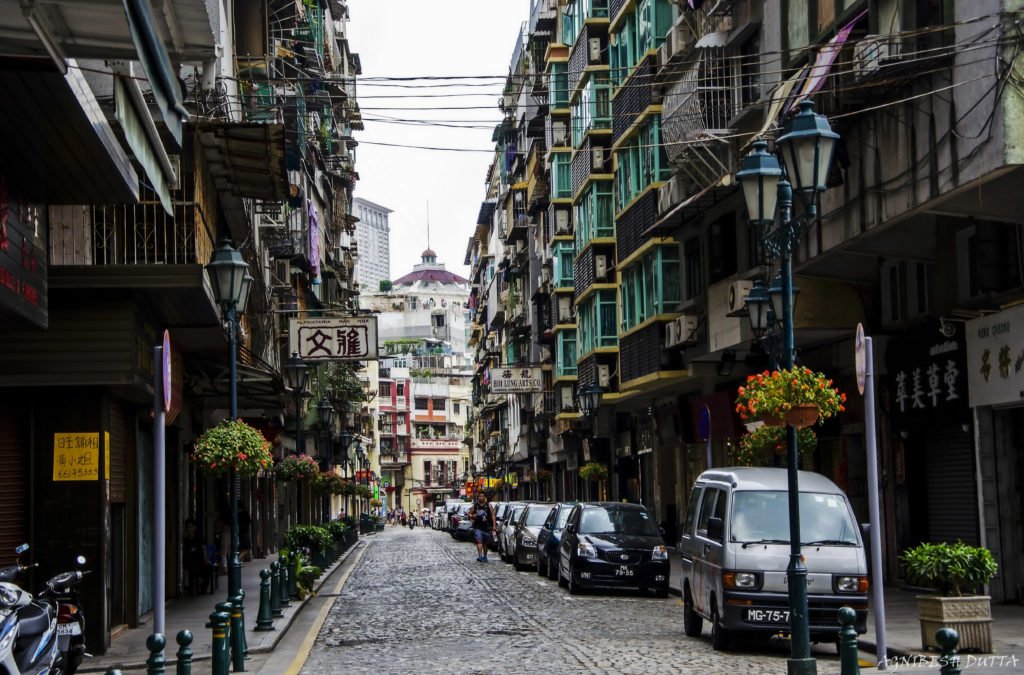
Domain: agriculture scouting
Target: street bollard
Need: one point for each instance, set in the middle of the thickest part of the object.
(241, 610)
(293, 575)
(848, 642)
(220, 652)
(283, 587)
(264, 619)
(275, 589)
(155, 643)
(949, 661)
(235, 635)
(184, 655)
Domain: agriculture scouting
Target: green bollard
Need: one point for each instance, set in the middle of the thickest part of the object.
(293, 575)
(184, 655)
(155, 643)
(285, 602)
(220, 653)
(264, 619)
(235, 636)
(241, 610)
(949, 660)
(848, 642)
(275, 589)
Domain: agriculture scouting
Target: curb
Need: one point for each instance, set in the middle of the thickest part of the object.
(280, 630)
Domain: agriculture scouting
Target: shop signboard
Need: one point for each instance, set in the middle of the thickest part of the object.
(516, 380)
(928, 372)
(352, 338)
(23, 231)
(995, 358)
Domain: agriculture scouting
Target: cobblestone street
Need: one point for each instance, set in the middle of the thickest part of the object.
(419, 602)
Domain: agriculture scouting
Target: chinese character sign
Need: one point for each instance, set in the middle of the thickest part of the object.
(516, 380)
(995, 358)
(76, 456)
(342, 339)
(928, 373)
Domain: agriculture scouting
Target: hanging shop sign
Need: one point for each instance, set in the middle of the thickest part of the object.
(335, 339)
(76, 456)
(995, 358)
(928, 371)
(23, 231)
(516, 380)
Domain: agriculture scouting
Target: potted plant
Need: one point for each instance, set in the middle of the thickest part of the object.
(593, 471)
(955, 571)
(327, 483)
(376, 503)
(757, 447)
(796, 396)
(296, 467)
(232, 444)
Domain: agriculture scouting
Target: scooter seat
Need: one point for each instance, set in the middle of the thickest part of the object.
(34, 619)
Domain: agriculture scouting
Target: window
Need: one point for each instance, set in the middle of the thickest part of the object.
(593, 108)
(643, 29)
(426, 472)
(691, 511)
(596, 324)
(709, 508)
(439, 405)
(595, 214)
(651, 286)
(722, 248)
(385, 390)
(562, 262)
(562, 175)
(421, 403)
(642, 161)
(988, 259)
(401, 389)
(693, 269)
(558, 93)
(565, 364)
(437, 320)
(456, 408)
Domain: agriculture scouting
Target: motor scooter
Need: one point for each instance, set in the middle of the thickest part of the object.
(28, 631)
(70, 619)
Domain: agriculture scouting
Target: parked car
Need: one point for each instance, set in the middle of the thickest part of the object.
(735, 551)
(548, 537)
(512, 511)
(524, 534)
(458, 521)
(612, 545)
(450, 508)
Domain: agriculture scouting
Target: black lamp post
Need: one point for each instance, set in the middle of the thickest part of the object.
(589, 398)
(296, 375)
(325, 415)
(361, 459)
(344, 441)
(231, 281)
(806, 148)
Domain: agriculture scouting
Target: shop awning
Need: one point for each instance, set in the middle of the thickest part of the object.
(245, 159)
(258, 386)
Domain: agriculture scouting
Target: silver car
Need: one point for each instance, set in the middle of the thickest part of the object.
(512, 511)
(524, 534)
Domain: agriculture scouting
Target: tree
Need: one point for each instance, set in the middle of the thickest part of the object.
(386, 286)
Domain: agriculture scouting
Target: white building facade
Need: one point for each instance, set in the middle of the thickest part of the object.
(373, 238)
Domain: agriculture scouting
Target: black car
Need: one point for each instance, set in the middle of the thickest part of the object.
(548, 538)
(613, 545)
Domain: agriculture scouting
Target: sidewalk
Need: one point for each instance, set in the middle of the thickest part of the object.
(903, 632)
(128, 650)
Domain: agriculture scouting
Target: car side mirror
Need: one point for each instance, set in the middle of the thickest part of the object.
(570, 528)
(715, 529)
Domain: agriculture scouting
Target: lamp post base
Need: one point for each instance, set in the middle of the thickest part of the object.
(806, 666)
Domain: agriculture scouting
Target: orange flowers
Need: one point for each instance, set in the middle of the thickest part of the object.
(773, 393)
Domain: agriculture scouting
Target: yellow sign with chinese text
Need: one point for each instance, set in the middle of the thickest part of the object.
(76, 456)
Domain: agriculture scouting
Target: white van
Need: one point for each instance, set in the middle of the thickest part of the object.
(735, 551)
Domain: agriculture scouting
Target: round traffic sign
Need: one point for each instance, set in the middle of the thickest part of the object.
(166, 367)
(860, 358)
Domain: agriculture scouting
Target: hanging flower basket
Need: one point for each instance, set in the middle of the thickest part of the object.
(327, 483)
(232, 444)
(296, 467)
(770, 397)
(593, 471)
(758, 447)
(543, 475)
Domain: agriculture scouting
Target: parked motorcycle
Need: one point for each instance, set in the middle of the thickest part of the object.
(30, 632)
(412, 521)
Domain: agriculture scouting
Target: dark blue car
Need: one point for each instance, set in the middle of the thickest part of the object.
(547, 540)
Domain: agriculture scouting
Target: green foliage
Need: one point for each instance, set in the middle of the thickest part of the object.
(338, 380)
(386, 286)
(951, 569)
(337, 529)
(296, 467)
(232, 444)
(316, 539)
(328, 483)
(593, 471)
(757, 447)
(773, 393)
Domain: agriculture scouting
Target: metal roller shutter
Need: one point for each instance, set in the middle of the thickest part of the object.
(13, 491)
(952, 488)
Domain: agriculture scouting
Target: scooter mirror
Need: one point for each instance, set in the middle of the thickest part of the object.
(21, 549)
(80, 560)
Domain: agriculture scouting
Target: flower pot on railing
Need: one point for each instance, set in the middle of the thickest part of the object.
(802, 415)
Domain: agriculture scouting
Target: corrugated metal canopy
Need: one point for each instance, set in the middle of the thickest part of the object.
(245, 159)
(98, 29)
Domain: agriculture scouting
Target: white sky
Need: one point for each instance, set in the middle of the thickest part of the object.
(404, 38)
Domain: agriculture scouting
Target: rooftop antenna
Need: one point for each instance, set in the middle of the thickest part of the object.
(428, 223)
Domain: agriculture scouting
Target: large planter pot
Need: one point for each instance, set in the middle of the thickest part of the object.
(803, 415)
(970, 616)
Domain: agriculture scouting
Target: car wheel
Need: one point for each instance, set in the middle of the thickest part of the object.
(574, 586)
(693, 623)
(719, 634)
(552, 569)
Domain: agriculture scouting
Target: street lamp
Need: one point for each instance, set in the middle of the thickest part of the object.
(325, 415)
(806, 148)
(231, 281)
(590, 397)
(296, 375)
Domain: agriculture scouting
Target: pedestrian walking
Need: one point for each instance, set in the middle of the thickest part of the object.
(482, 514)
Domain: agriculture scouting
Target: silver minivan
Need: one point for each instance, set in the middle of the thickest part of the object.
(735, 551)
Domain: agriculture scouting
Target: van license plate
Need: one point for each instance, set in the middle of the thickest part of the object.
(624, 571)
(766, 616)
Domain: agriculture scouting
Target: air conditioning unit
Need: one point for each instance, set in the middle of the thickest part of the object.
(870, 52)
(597, 159)
(738, 292)
(561, 221)
(681, 331)
(282, 273)
(595, 50)
(568, 401)
(601, 267)
(604, 375)
(545, 276)
(560, 133)
(565, 313)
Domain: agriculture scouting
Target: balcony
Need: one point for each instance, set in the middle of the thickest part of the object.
(436, 444)
(394, 460)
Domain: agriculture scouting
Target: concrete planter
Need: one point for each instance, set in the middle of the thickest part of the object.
(970, 616)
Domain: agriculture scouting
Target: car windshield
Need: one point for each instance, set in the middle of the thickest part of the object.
(617, 521)
(563, 516)
(764, 516)
(536, 516)
(517, 511)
